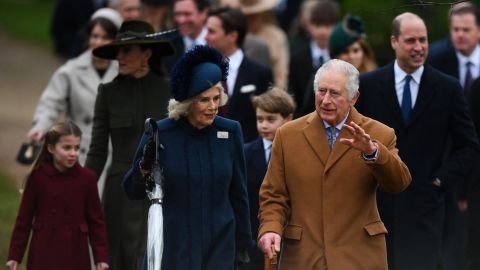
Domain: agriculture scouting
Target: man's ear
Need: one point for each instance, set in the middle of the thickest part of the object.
(355, 98)
(393, 42)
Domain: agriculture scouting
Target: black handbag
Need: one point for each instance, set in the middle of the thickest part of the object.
(28, 153)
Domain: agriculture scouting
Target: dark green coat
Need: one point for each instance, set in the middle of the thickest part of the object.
(121, 108)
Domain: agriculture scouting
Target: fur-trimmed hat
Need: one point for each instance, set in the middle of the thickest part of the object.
(134, 33)
(199, 69)
(345, 33)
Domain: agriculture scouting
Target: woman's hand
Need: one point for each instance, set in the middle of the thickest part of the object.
(101, 266)
(12, 265)
(35, 135)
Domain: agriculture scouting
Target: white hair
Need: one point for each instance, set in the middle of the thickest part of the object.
(346, 68)
(177, 109)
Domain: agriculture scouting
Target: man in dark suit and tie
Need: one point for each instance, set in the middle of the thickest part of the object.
(459, 56)
(227, 28)
(429, 114)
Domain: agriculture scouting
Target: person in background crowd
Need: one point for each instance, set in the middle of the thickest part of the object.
(318, 196)
(128, 9)
(158, 13)
(190, 17)
(273, 109)
(60, 205)
(459, 56)
(72, 90)
(347, 42)
(140, 91)
(227, 28)
(309, 47)
(429, 114)
(68, 19)
(261, 24)
(205, 207)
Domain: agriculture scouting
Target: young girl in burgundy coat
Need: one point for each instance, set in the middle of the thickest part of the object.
(60, 204)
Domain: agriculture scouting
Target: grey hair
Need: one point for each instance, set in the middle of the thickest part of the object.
(347, 69)
(177, 109)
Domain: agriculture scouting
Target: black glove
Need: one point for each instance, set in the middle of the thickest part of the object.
(241, 259)
(146, 163)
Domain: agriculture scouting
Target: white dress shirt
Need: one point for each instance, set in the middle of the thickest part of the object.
(200, 40)
(235, 60)
(317, 52)
(474, 58)
(400, 82)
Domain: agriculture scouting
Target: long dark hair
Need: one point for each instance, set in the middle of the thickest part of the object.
(52, 137)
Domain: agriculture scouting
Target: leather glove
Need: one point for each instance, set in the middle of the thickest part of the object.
(146, 163)
(241, 259)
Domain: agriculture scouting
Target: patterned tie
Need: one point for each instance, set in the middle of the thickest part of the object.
(468, 79)
(407, 99)
(331, 136)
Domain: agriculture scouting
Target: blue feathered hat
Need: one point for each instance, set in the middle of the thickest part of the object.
(199, 69)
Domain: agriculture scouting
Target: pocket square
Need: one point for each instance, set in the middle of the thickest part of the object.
(248, 88)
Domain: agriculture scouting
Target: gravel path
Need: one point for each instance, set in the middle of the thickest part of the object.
(24, 72)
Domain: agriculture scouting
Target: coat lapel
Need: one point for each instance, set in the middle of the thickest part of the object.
(314, 132)
(258, 155)
(87, 76)
(389, 94)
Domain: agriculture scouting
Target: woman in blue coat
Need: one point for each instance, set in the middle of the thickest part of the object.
(205, 207)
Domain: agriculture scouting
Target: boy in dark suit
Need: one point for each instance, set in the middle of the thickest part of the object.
(273, 109)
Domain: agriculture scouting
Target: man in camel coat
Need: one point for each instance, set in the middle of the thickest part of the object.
(318, 198)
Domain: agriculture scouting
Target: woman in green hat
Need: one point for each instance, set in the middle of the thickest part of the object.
(138, 92)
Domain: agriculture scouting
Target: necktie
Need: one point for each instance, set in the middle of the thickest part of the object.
(407, 99)
(331, 136)
(269, 153)
(320, 61)
(468, 79)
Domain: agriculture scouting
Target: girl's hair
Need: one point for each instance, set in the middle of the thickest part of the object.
(107, 25)
(52, 137)
(368, 62)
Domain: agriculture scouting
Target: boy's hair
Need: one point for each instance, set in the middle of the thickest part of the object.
(52, 137)
(325, 12)
(275, 100)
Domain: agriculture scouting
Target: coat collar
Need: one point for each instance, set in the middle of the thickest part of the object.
(50, 170)
(88, 76)
(314, 132)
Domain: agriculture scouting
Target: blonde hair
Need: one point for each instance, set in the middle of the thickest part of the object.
(178, 109)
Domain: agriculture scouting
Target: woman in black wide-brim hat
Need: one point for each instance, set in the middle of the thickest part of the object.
(206, 217)
(138, 92)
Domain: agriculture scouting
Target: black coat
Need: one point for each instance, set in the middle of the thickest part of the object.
(240, 105)
(121, 108)
(439, 119)
(442, 56)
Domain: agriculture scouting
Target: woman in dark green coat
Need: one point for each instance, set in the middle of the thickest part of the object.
(138, 92)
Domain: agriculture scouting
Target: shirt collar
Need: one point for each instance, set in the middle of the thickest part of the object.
(400, 74)
(266, 144)
(339, 126)
(474, 58)
(235, 59)
(317, 51)
(199, 40)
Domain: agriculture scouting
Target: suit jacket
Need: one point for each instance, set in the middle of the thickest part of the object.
(64, 212)
(205, 208)
(443, 57)
(323, 203)
(256, 169)
(241, 109)
(438, 120)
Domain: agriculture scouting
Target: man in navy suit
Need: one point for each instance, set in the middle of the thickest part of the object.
(273, 109)
(436, 139)
(227, 28)
(459, 56)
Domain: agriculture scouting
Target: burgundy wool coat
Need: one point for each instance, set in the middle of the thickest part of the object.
(63, 210)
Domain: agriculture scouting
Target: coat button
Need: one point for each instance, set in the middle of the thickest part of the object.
(87, 120)
(83, 150)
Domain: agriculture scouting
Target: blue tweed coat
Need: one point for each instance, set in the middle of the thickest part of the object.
(206, 213)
